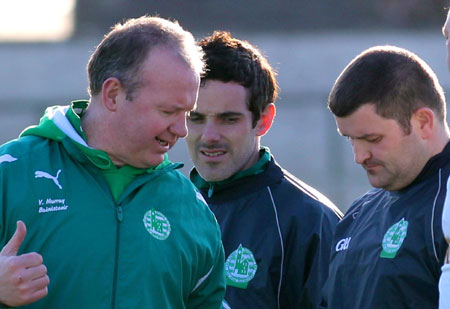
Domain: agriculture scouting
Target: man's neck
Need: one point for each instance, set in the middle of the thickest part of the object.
(441, 139)
(94, 127)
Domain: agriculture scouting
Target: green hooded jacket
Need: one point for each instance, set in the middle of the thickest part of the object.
(137, 239)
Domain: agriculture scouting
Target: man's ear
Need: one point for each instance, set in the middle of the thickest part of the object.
(424, 119)
(265, 121)
(110, 90)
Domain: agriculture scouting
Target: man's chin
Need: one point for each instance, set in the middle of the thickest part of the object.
(214, 178)
(155, 161)
(376, 183)
(213, 175)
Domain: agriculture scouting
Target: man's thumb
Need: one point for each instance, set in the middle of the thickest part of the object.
(16, 240)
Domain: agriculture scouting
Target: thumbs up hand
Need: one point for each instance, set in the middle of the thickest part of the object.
(23, 278)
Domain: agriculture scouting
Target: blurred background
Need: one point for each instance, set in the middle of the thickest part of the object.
(45, 46)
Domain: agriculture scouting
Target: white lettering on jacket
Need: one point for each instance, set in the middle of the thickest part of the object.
(343, 244)
(52, 204)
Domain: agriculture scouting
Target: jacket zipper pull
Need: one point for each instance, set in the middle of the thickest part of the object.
(210, 190)
(119, 213)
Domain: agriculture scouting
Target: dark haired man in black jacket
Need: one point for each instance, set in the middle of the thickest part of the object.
(276, 230)
(389, 247)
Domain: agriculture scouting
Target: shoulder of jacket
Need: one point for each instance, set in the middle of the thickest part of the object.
(20, 150)
(186, 188)
(308, 194)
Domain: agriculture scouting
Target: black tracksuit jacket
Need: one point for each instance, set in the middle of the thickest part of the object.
(288, 227)
(389, 248)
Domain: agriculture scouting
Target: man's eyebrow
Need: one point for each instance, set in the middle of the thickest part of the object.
(173, 107)
(229, 114)
(195, 112)
(362, 136)
(219, 115)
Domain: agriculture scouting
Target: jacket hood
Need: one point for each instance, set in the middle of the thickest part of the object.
(55, 125)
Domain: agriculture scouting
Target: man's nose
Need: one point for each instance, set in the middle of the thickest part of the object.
(179, 127)
(360, 152)
(211, 133)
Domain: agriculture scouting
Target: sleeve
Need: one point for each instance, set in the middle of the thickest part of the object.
(5, 159)
(439, 229)
(446, 213)
(444, 280)
(307, 265)
(209, 290)
(6, 182)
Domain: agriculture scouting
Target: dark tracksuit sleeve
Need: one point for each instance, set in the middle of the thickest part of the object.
(307, 262)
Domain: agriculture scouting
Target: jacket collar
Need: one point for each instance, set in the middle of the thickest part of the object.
(265, 172)
(432, 166)
(212, 186)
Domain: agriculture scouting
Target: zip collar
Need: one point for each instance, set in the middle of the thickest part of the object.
(212, 186)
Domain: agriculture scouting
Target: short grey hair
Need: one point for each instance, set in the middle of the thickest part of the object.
(123, 50)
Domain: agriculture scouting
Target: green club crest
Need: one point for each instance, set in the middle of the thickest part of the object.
(393, 239)
(157, 224)
(240, 267)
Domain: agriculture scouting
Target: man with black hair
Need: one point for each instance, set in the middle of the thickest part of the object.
(276, 230)
(389, 248)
